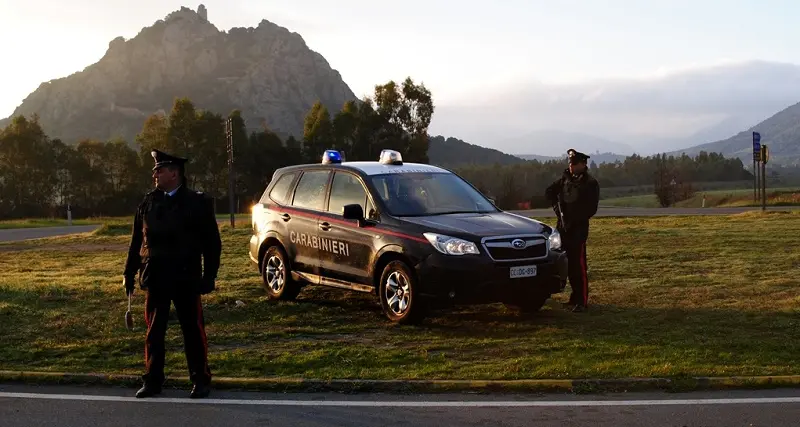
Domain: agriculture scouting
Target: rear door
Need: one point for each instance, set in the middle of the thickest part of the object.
(308, 202)
(266, 215)
(346, 249)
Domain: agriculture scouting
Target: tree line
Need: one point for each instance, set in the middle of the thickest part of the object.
(524, 183)
(42, 176)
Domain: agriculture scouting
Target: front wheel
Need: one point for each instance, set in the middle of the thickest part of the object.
(277, 277)
(399, 294)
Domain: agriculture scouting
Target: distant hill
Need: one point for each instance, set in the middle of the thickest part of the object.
(781, 133)
(556, 142)
(453, 152)
(268, 72)
(593, 157)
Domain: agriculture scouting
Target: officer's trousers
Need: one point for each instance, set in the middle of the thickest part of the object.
(189, 308)
(575, 246)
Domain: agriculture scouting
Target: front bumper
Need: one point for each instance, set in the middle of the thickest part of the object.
(478, 279)
(252, 251)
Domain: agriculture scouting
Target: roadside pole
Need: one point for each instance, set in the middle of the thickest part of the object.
(756, 159)
(764, 158)
(229, 143)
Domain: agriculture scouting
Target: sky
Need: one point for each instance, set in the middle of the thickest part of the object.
(461, 50)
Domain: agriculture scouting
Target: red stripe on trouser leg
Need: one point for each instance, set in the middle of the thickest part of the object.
(147, 324)
(203, 337)
(583, 275)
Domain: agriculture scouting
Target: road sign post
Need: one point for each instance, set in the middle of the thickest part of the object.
(756, 158)
(764, 156)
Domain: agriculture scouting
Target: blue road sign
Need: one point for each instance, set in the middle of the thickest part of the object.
(756, 146)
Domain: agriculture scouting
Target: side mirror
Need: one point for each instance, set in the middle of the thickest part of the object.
(494, 202)
(353, 212)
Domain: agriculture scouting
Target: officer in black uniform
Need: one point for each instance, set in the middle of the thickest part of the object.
(575, 197)
(173, 227)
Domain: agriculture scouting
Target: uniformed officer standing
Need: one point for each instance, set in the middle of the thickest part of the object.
(173, 227)
(575, 197)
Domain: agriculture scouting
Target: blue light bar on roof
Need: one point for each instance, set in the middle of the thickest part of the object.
(331, 156)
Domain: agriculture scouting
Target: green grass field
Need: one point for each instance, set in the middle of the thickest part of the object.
(789, 196)
(672, 296)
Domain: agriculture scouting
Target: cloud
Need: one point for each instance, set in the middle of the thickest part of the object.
(725, 98)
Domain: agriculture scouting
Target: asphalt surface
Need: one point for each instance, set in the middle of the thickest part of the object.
(12, 235)
(17, 234)
(615, 211)
(64, 406)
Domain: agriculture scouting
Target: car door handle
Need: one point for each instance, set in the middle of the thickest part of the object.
(285, 217)
(324, 226)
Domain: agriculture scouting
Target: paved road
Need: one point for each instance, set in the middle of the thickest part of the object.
(35, 233)
(82, 407)
(17, 234)
(614, 211)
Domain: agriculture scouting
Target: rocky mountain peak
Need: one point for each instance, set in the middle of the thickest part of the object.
(268, 72)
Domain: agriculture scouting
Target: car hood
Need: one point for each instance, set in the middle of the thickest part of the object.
(478, 224)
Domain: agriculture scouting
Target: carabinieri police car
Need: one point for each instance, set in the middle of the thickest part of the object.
(413, 234)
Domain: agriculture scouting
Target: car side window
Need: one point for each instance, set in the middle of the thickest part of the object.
(310, 191)
(346, 189)
(280, 192)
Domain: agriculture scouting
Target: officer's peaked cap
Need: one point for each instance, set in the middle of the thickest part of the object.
(163, 159)
(576, 156)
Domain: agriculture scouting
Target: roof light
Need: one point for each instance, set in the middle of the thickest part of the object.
(391, 157)
(331, 156)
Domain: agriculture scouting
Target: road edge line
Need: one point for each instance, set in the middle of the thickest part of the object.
(580, 386)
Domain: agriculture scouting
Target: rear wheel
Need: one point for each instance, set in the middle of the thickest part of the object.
(276, 275)
(399, 294)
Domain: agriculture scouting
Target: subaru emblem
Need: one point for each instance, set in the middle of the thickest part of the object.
(518, 244)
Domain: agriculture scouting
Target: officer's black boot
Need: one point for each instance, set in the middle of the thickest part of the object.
(199, 391)
(148, 390)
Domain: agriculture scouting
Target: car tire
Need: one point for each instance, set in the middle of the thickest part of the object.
(529, 301)
(276, 275)
(398, 291)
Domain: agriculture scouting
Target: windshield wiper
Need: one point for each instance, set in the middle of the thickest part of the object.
(457, 212)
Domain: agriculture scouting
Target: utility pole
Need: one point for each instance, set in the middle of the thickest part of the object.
(229, 141)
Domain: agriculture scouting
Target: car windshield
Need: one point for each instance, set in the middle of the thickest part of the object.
(421, 194)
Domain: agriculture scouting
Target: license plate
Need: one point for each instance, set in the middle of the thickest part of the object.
(523, 271)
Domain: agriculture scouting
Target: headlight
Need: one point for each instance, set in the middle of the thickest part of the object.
(555, 240)
(450, 245)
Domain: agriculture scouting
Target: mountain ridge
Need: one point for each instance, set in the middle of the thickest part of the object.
(267, 72)
(780, 132)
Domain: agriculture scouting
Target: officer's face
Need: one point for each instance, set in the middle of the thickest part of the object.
(577, 167)
(165, 178)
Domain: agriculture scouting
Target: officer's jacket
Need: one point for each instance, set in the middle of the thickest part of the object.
(170, 234)
(579, 197)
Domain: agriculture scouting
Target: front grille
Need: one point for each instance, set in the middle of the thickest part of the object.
(502, 248)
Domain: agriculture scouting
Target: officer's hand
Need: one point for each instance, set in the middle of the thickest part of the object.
(207, 285)
(129, 283)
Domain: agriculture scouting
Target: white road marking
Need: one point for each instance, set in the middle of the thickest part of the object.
(405, 404)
